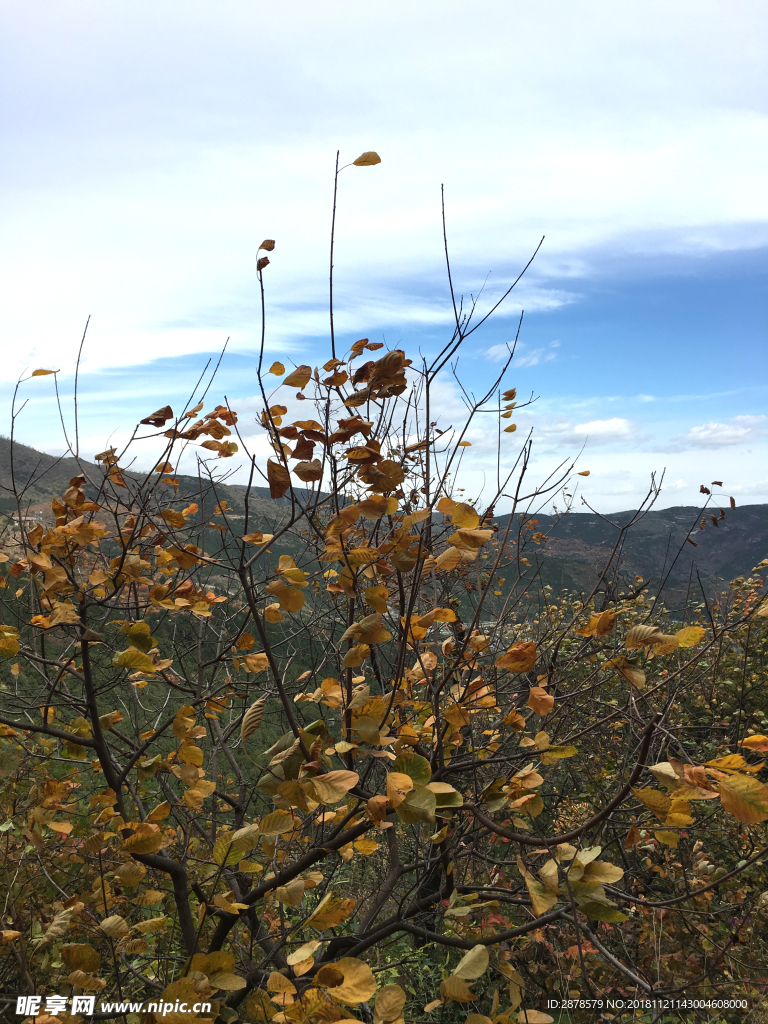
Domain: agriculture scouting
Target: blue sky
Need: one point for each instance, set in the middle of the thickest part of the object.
(150, 147)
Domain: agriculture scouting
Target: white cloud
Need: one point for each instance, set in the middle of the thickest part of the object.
(606, 430)
(523, 356)
(145, 172)
(737, 430)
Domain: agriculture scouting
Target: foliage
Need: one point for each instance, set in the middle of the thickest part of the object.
(296, 765)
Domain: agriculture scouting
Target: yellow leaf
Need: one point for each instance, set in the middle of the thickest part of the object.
(334, 786)
(115, 927)
(605, 622)
(149, 898)
(584, 472)
(278, 477)
(510, 429)
(399, 786)
(448, 560)
(291, 894)
(759, 743)
(655, 801)
(135, 660)
(539, 701)
(276, 823)
(272, 613)
(542, 899)
(667, 838)
(689, 636)
(81, 956)
(303, 952)
(278, 369)
(534, 1017)
(390, 1001)
(252, 718)
(376, 597)
(255, 662)
(641, 636)
(465, 517)
(298, 377)
(152, 924)
(631, 673)
(174, 518)
(147, 838)
(65, 827)
(367, 159)
(369, 630)
(290, 598)
(330, 912)
(257, 537)
(745, 798)
(456, 990)
(367, 846)
(358, 985)
(473, 964)
(43, 373)
(356, 655)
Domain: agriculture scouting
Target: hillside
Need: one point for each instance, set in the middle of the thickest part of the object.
(577, 547)
(655, 548)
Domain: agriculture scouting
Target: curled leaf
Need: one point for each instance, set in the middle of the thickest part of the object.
(252, 719)
(367, 159)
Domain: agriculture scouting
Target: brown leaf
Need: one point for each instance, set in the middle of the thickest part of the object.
(268, 244)
(520, 657)
(539, 701)
(255, 663)
(299, 377)
(309, 472)
(641, 636)
(252, 718)
(279, 478)
(605, 623)
(159, 417)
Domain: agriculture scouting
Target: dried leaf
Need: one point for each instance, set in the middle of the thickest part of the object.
(358, 985)
(334, 786)
(252, 718)
(299, 377)
(473, 964)
(520, 657)
(539, 701)
(367, 159)
(278, 477)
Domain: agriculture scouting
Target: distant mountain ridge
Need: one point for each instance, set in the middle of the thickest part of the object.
(576, 549)
(656, 548)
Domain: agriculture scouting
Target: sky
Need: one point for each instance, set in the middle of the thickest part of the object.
(150, 147)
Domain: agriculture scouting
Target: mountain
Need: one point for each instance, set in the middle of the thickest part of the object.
(655, 548)
(575, 551)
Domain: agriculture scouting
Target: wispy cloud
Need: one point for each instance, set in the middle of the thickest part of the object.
(523, 355)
